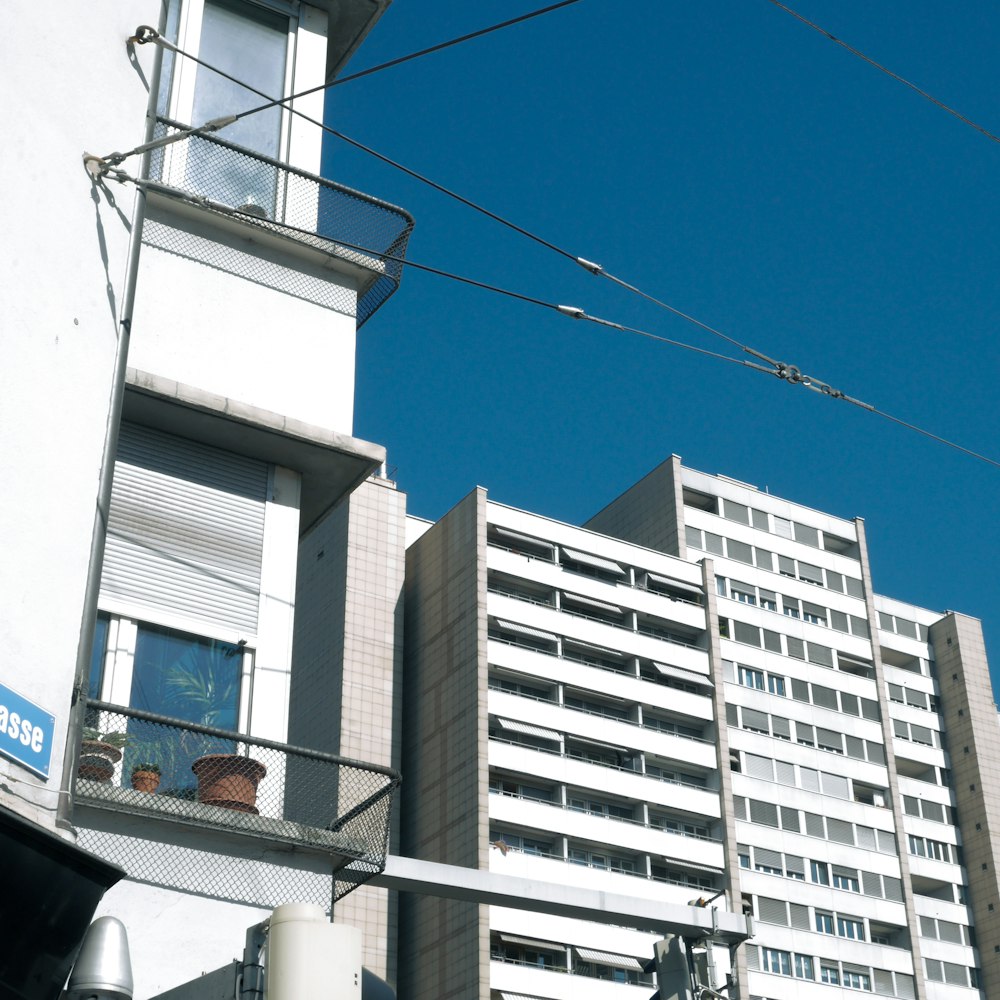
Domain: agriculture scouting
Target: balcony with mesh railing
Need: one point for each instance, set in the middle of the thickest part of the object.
(223, 814)
(328, 226)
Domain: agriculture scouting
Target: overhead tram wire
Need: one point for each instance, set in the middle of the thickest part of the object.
(888, 72)
(144, 33)
(785, 372)
(788, 373)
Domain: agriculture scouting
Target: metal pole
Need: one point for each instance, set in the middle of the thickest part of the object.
(78, 704)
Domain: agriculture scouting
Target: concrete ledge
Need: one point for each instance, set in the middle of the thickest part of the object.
(332, 465)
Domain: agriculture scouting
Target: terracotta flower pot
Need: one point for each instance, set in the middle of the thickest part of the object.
(145, 781)
(97, 760)
(229, 781)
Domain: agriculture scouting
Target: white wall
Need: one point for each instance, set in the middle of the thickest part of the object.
(62, 265)
(243, 340)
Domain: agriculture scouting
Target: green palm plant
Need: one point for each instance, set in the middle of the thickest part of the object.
(203, 686)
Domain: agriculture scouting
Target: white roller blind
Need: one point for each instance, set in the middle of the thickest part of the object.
(185, 529)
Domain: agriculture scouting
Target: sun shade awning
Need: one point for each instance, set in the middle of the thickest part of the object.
(666, 581)
(534, 633)
(528, 730)
(609, 958)
(589, 602)
(680, 674)
(597, 562)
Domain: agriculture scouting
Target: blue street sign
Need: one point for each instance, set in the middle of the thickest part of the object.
(25, 732)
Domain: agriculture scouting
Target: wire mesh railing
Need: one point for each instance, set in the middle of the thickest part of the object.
(290, 203)
(227, 815)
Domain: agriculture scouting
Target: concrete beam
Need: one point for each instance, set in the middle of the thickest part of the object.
(471, 885)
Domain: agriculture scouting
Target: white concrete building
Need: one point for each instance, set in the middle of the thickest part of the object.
(742, 714)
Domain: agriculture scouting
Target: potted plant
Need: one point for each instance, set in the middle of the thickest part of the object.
(205, 687)
(99, 752)
(229, 780)
(146, 777)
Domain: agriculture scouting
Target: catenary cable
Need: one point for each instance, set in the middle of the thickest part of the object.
(790, 373)
(888, 72)
(144, 33)
(780, 370)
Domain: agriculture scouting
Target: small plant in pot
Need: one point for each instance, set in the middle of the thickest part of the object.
(99, 752)
(146, 777)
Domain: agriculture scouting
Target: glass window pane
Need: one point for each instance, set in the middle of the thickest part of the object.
(97, 654)
(185, 677)
(229, 31)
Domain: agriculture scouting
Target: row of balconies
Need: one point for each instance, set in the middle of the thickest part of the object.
(590, 703)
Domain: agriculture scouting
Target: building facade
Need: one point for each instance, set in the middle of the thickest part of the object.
(192, 331)
(720, 705)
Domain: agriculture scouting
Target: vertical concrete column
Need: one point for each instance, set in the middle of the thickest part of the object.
(973, 734)
(730, 853)
(895, 798)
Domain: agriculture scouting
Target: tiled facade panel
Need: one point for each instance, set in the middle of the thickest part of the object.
(348, 652)
(974, 743)
(649, 514)
(445, 770)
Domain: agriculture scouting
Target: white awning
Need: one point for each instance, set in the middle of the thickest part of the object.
(589, 647)
(535, 633)
(596, 561)
(666, 581)
(528, 730)
(608, 958)
(530, 942)
(589, 602)
(518, 537)
(680, 674)
(692, 866)
(516, 996)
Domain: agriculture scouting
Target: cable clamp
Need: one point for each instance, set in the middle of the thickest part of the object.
(216, 123)
(575, 312)
(144, 33)
(589, 265)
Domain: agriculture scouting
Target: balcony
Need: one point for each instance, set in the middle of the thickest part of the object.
(285, 213)
(228, 815)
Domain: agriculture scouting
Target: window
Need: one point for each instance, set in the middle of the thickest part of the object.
(851, 927)
(768, 599)
(846, 879)
(790, 606)
(742, 592)
(226, 31)
(752, 678)
(776, 684)
(98, 653)
(528, 843)
(744, 859)
(819, 872)
(824, 922)
(776, 961)
(179, 675)
(804, 967)
(857, 980)
(829, 974)
(813, 613)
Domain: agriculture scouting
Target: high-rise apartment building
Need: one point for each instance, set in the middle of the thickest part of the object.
(720, 705)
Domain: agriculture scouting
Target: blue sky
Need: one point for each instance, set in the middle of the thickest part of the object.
(748, 171)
